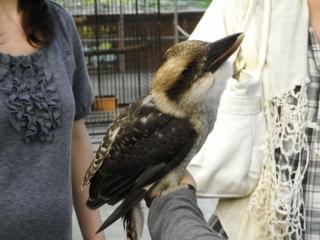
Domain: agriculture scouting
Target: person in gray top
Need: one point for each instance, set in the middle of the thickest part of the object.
(44, 146)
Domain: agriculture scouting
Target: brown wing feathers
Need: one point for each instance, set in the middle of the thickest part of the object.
(148, 145)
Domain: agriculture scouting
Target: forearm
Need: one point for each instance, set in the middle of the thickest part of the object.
(177, 216)
(314, 8)
(89, 221)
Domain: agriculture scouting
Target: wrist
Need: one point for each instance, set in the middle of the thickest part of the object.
(149, 199)
(188, 186)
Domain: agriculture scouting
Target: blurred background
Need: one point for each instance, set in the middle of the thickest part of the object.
(123, 42)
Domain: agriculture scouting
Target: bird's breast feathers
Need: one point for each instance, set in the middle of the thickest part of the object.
(141, 135)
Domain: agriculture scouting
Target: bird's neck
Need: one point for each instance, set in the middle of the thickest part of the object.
(167, 106)
(203, 119)
(200, 114)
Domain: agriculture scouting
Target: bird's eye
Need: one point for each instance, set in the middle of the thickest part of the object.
(189, 71)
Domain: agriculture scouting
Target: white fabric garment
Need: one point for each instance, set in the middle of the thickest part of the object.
(284, 66)
(228, 164)
(287, 45)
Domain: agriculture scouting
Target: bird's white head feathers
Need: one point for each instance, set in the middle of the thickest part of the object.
(193, 74)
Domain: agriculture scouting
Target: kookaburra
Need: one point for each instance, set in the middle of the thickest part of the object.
(150, 143)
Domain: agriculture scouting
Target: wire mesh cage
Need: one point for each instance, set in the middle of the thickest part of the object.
(121, 40)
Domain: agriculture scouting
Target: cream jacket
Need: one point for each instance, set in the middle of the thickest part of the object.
(287, 43)
(268, 65)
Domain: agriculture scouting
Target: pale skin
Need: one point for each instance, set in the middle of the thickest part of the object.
(89, 220)
(314, 9)
(13, 41)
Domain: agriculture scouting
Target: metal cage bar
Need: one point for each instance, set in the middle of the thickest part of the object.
(121, 40)
(123, 43)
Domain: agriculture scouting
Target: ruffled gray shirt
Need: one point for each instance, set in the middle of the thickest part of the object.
(41, 95)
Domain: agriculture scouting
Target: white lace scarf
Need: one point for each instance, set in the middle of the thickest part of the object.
(277, 202)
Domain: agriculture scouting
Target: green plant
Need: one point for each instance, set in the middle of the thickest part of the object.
(206, 3)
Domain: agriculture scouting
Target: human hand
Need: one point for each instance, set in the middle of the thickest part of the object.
(186, 181)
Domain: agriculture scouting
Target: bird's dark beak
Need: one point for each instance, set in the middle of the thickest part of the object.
(219, 51)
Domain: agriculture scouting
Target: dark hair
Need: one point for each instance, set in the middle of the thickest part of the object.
(37, 22)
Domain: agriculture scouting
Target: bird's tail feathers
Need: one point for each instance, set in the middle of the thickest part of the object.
(133, 223)
(128, 203)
